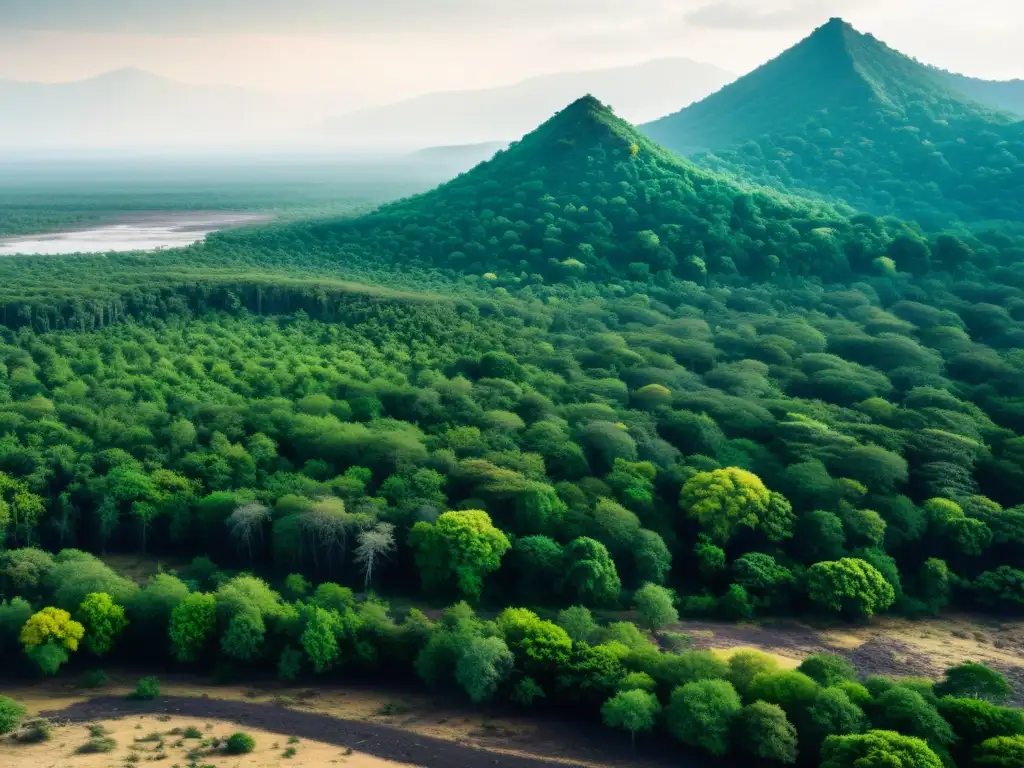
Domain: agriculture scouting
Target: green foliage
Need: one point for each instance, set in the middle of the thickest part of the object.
(655, 605)
(854, 119)
(1001, 751)
(726, 501)
(482, 666)
(791, 690)
(463, 546)
(578, 623)
(103, 621)
(147, 689)
(850, 586)
(877, 749)
(763, 731)
(591, 573)
(632, 710)
(11, 713)
(906, 711)
(827, 669)
(701, 714)
(239, 744)
(192, 622)
(49, 636)
(976, 681)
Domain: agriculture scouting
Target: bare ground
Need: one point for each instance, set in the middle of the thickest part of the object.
(886, 646)
(385, 723)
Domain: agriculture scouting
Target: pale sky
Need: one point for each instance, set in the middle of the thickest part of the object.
(381, 50)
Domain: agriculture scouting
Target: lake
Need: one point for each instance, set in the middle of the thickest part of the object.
(134, 232)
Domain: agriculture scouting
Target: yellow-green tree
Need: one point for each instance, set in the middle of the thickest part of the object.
(49, 636)
(103, 620)
(464, 545)
(726, 501)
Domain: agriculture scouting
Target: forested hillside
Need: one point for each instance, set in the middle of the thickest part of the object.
(587, 196)
(845, 116)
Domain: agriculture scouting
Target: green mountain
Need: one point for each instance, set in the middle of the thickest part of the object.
(587, 195)
(843, 115)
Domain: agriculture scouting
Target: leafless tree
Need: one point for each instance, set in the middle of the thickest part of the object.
(246, 524)
(375, 544)
(328, 524)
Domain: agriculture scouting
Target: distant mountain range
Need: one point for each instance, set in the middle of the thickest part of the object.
(844, 116)
(137, 108)
(639, 92)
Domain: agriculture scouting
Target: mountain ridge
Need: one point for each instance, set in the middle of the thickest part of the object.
(843, 115)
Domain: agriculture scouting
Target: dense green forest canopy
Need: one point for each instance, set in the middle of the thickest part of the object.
(845, 116)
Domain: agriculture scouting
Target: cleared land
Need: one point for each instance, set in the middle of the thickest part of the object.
(149, 738)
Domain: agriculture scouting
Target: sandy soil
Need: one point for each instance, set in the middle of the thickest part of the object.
(391, 724)
(151, 737)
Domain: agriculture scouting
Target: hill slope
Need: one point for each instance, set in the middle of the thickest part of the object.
(640, 92)
(1002, 95)
(587, 195)
(844, 115)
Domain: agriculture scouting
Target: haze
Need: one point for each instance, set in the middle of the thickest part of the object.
(313, 60)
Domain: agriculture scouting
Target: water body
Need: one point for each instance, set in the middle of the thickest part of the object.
(137, 232)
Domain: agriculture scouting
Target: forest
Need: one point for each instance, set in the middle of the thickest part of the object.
(844, 116)
(577, 394)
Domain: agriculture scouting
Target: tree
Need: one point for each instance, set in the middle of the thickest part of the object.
(591, 573)
(764, 731)
(484, 663)
(193, 621)
(578, 623)
(151, 608)
(701, 714)
(849, 586)
(831, 712)
(827, 669)
(103, 620)
(460, 545)
(11, 713)
(726, 501)
(539, 646)
(656, 606)
(243, 640)
(1001, 588)
(537, 563)
(793, 691)
(1001, 752)
(24, 572)
(374, 545)
(745, 666)
(246, 524)
(633, 710)
(877, 749)
(977, 681)
(49, 636)
(975, 720)
(319, 639)
(901, 709)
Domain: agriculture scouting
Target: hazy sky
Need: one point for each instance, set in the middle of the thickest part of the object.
(387, 49)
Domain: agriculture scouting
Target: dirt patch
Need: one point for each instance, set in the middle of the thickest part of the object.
(886, 646)
(147, 738)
